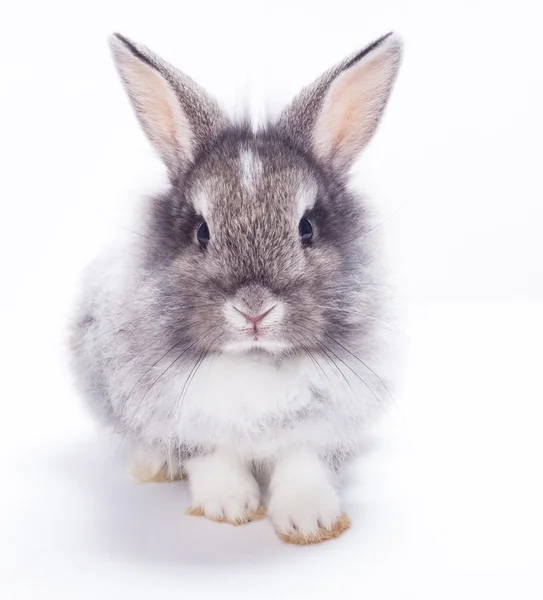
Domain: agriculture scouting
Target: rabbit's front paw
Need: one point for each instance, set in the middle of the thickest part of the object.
(304, 504)
(223, 489)
(307, 516)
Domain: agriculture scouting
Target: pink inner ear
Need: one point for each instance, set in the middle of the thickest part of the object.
(157, 108)
(352, 107)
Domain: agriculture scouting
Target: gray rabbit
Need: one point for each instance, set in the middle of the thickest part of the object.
(236, 336)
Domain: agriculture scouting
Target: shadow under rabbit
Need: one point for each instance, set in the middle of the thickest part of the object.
(147, 521)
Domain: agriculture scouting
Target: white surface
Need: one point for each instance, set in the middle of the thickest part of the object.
(448, 506)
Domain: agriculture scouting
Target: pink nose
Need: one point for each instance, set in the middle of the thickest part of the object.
(255, 320)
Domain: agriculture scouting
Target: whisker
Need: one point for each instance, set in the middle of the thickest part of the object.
(120, 328)
(153, 242)
(156, 380)
(371, 371)
(153, 384)
(388, 218)
(356, 375)
(330, 359)
(135, 232)
(365, 315)
(176, 413)
(201, 358)
(299, 341)
(152, 366)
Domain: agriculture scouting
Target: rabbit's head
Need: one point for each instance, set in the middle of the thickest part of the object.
(259, 245)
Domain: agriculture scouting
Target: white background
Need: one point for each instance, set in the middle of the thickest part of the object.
(448, 505)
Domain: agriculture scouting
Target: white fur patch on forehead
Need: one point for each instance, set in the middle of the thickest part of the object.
(201, 201)
(251, 169)
(306, 195)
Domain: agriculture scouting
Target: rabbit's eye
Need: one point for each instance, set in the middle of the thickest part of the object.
(203, 233)
(306, 231)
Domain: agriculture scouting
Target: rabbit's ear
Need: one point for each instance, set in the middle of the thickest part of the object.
(176, 114)
(338, 114)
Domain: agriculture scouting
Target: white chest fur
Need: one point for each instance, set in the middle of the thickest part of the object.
(241, 397)
(237, 388)
(248, 402)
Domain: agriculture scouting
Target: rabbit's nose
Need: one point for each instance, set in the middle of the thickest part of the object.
(254, 320)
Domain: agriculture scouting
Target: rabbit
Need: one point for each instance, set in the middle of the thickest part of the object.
(231, 341)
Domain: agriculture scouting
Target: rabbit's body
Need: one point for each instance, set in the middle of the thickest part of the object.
(234, 331)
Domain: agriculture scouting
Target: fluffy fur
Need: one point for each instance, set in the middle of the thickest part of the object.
(160, 346)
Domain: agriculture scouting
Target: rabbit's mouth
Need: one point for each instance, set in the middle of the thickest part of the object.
(257, 345)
